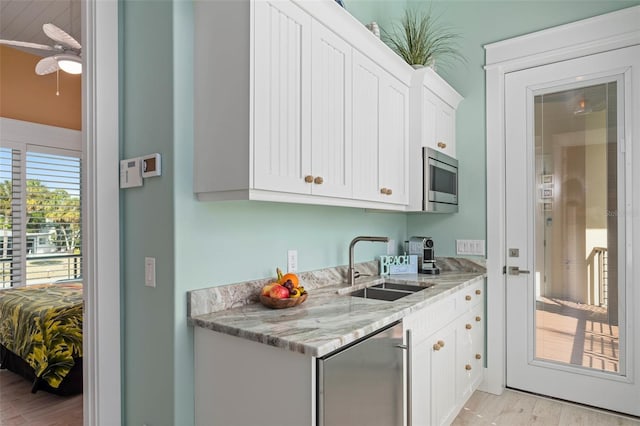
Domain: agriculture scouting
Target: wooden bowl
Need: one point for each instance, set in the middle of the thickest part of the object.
(270, 302)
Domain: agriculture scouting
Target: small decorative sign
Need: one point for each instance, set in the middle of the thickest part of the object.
(392, 265)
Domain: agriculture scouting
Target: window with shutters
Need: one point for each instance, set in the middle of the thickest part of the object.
(40, 215)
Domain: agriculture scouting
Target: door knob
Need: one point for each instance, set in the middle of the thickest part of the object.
(515, 270)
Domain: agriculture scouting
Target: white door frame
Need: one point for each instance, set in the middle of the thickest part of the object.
(594, 35)
(101, 224)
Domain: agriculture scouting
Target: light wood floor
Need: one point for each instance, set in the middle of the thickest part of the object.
(18, 406)
(514, 408)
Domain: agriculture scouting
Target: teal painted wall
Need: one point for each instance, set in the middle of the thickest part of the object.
(200, 244)
(147, 110)
(480, 23)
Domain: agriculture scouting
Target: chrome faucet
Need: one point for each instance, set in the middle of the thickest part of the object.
(351, 278)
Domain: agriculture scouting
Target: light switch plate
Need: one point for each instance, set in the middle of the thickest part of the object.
(150, 271)
(292, 261)
(470, 247)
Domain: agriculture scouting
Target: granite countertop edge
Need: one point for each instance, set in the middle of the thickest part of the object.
(330, 319)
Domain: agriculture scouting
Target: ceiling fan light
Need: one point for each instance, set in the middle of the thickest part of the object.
(70, 64)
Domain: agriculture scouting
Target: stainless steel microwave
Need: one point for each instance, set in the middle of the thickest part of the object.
(440, 180)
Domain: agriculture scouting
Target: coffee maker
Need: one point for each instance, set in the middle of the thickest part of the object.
(423, 248)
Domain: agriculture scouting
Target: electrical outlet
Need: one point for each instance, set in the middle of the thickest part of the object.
(470, 247)
(292, 261)
(392, 248)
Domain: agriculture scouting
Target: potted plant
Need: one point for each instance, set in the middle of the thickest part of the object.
(421, 40)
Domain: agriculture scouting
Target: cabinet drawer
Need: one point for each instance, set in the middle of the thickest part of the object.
(470, 297)
(470, 351)
(432, 318)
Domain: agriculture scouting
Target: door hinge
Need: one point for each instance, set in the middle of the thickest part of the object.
(504, 270)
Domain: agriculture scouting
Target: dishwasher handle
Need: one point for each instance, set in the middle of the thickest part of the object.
(407, 347)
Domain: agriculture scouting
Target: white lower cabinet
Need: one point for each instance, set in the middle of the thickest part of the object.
(447, 356)
(239, 382)
(242, 382)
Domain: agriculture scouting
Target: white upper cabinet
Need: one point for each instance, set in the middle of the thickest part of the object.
(438, 123)
(380, 133)
(434, 111)
(282, 109)
(366, 132)
(433, 125)
(296, 101)
(331, 137)
(394, 140)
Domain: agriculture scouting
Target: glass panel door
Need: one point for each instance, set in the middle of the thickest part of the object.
(576, 227)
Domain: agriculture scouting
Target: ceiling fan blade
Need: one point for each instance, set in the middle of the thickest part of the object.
(56, 34)
(47, 65)
(27, 45)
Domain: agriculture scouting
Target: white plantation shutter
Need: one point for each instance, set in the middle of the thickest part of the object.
(40, 221)
(12, 214)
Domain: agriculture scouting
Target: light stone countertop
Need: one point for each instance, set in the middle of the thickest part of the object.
(329, 319)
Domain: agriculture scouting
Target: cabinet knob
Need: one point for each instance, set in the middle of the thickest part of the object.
(441, 343)
(478, 292)
(318, 180)
(308, 178)
(436, 347)
(467, 297)
(478, 356)
(467, 367)
(442, 145)
(383, 190)
(389, 191)
(478, 319)
(468, 326)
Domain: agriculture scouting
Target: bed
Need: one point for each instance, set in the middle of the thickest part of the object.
(41, 335)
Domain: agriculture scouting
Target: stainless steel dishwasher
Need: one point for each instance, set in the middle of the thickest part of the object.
(364, 384)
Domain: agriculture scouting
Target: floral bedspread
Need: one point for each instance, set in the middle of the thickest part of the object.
(43, 325)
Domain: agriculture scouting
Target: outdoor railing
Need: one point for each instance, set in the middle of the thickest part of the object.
(597, 264)
(43, 269)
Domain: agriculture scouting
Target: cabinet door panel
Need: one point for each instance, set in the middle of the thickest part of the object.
(282, 42)
(438, 123)
(330, 110)
(421, 359)
(443, 383)
(446, 129)
(470, 343)
(394, 134)
(366, 135)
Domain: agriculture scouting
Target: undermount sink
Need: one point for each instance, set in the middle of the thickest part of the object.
(388, 291)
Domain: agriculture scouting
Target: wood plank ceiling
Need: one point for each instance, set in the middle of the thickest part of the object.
(22, 20)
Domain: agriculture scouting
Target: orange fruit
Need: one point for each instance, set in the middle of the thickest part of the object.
(290, 276)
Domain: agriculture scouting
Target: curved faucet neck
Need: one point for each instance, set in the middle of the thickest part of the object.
(351, 272)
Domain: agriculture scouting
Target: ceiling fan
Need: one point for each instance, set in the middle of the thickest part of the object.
(66, 51)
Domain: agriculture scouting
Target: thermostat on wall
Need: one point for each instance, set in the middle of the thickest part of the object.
(130, 173)
(151, 165)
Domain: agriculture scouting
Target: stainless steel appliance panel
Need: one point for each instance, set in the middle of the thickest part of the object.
(363, 385)
(440, 182)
